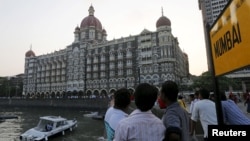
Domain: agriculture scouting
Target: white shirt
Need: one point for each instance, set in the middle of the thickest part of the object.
(192, 105)
(113, 116)
(205, 111)
(140, 126)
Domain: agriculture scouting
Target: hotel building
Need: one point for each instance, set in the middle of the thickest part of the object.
(94, 66)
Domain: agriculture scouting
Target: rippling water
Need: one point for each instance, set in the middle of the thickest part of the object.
(88, 129)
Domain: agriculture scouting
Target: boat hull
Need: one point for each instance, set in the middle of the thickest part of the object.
(41, 134)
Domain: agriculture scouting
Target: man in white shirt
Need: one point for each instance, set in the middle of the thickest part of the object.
(141, 124)
(194, 98)
(117, 112)
(205, 111)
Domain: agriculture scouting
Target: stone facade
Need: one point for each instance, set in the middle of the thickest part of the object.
(92, 66)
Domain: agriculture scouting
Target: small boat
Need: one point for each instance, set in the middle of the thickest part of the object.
(48, 126)
(3, 117)
(91, 114)
(98, 117)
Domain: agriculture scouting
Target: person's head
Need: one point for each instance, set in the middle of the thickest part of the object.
(223, 96)
(203, 93)
(196, 94)
(180, 97)
(191, 96)
(145, 96)
(161, 104)
(122, 98)
(169, 92)
(111, 100)
(212, 97)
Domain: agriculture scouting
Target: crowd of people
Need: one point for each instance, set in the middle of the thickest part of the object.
(178, 123)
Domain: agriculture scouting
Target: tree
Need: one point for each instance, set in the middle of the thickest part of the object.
(206, 81)
(3, 87)
(11, 88)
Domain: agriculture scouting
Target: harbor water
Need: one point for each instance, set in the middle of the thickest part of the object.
(28, 117)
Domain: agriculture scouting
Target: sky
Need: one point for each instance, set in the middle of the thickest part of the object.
(48, 26)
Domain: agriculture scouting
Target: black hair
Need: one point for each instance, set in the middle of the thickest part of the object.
(196, 93)
(170, 90)
(204, 93)
(145, 96)
(180, 97)
(223, 96)
(122, 98)
(191, 95)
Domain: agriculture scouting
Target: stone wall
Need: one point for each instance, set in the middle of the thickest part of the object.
(101, 104)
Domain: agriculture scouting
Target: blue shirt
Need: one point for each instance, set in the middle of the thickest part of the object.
(176, 116)
(232, 114)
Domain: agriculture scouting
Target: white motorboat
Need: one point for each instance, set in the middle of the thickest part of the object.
(47, 127)
(91, 114)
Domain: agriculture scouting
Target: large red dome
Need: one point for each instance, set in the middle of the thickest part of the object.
(30, 53)
(91, 20)
(163, 21)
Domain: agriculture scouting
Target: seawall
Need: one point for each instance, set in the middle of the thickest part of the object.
(91, 104)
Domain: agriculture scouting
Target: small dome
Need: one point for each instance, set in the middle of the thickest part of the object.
(77, 28)
(30, 53)
(104, 32)
(163, 21)
(91, 20)
(185, 54)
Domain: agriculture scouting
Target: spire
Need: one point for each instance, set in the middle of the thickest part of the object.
(30, 46)
(162, 11)
(91, 10)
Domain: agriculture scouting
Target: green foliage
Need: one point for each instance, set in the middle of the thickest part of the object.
(9, 88)
(205, 80)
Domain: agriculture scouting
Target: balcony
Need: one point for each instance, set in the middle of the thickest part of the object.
(129, 54)
(111, 58)
(120, 57)
(103, 59)
(95, 69)
(95, 61)
(111, 66)
(102, 67)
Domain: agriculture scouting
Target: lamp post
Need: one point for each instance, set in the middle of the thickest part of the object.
(126, 83)
(1, 90)
(152, 82)
(9, 87)
(16, 90)
(139, 75)
(85, 74)
(181, 84)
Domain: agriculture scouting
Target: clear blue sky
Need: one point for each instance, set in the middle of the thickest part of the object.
(49, 25)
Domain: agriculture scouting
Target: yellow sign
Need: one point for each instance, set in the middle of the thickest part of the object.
(230, 38)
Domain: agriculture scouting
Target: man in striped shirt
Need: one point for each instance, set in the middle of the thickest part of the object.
(232, 114)
(141, 124)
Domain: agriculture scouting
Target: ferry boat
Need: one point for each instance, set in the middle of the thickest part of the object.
(48, 126)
